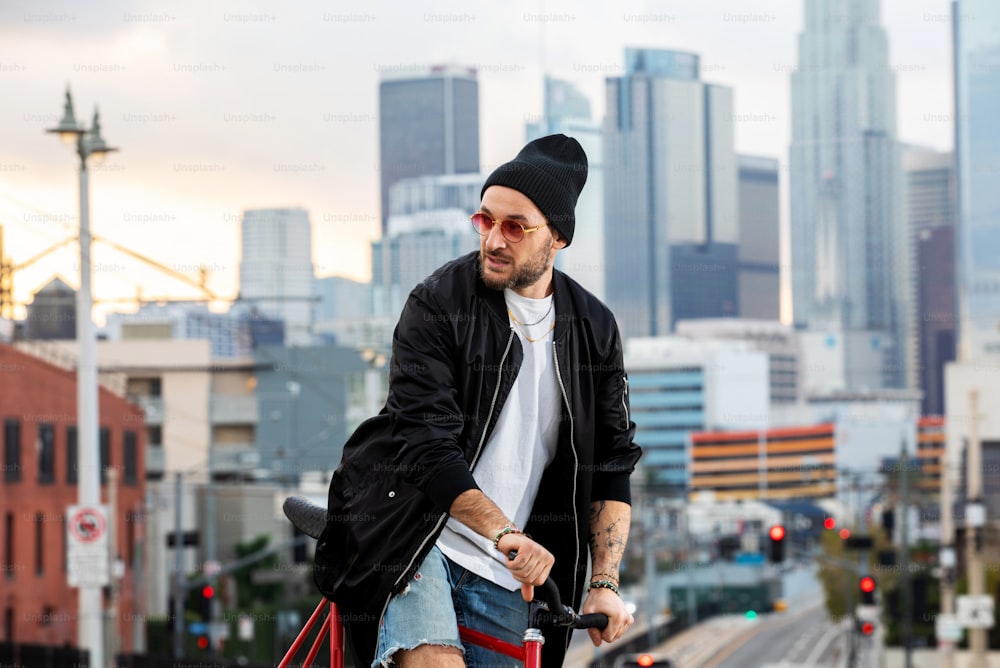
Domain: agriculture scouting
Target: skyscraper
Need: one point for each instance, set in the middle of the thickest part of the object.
(413, 248)
(760, 247)
(930, 215)
(428, 124)
(430, 193)
(850, 268)
(977, 152)
(276, 269)
(670, 222)
(567, 111)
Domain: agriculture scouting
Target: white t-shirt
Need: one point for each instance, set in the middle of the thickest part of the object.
(522, 444)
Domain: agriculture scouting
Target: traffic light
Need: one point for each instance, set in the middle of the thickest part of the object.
(202, 642)
(889, 521)
(646, 660)
(866, 585)
(829, 524)
(866, 627)
(204, 597)
(777, 538)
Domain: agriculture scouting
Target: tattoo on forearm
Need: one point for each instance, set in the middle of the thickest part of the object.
(596, 509)
(607, 540)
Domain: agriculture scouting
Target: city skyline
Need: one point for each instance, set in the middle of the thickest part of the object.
(212, 120)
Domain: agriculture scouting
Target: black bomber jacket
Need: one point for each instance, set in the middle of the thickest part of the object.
(454, 360)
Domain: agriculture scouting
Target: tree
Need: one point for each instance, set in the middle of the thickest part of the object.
(249, 593)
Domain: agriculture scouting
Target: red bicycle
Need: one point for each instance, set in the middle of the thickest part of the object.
(310, 519)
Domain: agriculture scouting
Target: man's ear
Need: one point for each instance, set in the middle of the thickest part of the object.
(560, 241)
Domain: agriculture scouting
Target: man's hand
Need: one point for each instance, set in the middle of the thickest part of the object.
(531, 566)
(611, 604)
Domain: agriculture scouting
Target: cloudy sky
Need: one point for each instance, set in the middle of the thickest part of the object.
(223, 106)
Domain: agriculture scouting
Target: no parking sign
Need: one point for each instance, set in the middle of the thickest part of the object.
(87, 538)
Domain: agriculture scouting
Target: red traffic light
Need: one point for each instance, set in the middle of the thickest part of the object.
(829, 523)
(867, 628)
(202, 642)
(208, 591)
(645, 660)
(845, 534)
(777, 532)
(867, 584)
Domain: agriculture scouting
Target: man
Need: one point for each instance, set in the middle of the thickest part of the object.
(506, 428)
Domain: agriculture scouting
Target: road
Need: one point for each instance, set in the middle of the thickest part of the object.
(789, 640)
(798, 637)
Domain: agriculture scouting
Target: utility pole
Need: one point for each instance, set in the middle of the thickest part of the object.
(210, 529)
(692, 612)
(112, 628)
(141, 595)
(89, 145)
(907, 611)
(947, 559)
(179, 590)
(649, 562)
(974, 521)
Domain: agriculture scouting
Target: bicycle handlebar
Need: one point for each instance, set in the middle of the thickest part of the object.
(563, 615)
(305, 515)
(310, 519)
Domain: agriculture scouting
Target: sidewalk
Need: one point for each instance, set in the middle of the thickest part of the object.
(931, 658)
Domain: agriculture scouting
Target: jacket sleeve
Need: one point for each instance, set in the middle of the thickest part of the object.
(423, 402)
(615, 454)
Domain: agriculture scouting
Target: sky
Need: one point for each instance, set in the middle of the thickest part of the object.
(219, 107)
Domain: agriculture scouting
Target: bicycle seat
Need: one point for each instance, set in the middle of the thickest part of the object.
(305, 515)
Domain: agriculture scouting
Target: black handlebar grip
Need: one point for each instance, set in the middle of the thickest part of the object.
(307, 517)
(549, 593)
(593, 620)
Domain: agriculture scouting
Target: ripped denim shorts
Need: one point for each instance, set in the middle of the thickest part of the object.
(443, 595)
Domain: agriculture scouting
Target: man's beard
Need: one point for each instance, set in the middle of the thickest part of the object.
(524, 275)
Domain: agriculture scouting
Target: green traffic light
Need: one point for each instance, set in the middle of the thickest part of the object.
(751, 615)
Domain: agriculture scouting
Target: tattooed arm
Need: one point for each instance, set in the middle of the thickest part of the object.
(609, 524)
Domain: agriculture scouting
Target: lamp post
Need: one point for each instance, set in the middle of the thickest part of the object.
(89, 145)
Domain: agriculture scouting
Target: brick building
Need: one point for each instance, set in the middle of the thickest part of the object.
(38, 481)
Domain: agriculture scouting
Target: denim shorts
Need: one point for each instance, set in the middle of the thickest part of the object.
(441, 596)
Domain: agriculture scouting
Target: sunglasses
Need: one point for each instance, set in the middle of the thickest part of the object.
(511, 231)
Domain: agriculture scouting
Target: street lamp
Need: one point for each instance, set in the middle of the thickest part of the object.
(89, 145)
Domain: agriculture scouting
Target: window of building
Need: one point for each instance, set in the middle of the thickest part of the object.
(65, 546)
(154, 435)
(131, 518)
(8, 545)
(130, 459)
(48, 614)
(39, 544)
(72, 459)
(12, 450)
(46, 453)
(105, 453)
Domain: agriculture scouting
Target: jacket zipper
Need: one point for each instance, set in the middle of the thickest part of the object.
(576, 466)
(625, 400)
(493, 403)
(475, 459)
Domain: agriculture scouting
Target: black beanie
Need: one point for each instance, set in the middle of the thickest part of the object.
(551, 172)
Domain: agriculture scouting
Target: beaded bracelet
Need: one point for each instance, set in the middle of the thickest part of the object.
(503, 532)
(605, 584)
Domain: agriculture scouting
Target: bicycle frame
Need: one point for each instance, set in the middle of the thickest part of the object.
(529, 653)
(310, 519)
